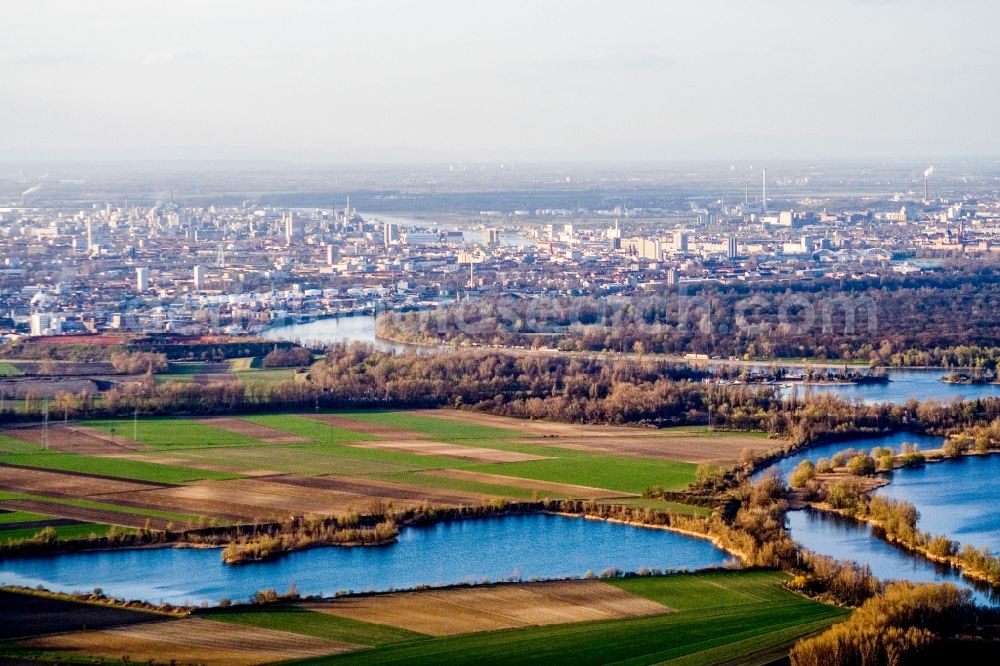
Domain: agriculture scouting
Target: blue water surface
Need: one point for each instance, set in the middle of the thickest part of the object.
(529, 546)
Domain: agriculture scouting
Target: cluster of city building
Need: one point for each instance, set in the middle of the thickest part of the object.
(238, 269)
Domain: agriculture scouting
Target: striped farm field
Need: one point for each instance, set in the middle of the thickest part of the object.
(193, 640)
(701, 620)
(273, 466)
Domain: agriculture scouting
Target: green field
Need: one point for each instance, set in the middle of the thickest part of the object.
(311, 429)
(719, 616)
(9, 370)
(341, 451)
(63, 532)
(319, 625)
(12, 445)
(20, 517)
(169, 433)
(104, 506)
(627, 474)
(442, 430)
(134, 470)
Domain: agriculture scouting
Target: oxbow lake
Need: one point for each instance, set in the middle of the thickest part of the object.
(528, 546)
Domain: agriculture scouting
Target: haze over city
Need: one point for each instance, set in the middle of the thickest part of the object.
(471, 80)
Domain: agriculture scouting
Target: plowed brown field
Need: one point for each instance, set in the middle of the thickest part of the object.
(194, 641)
(74, 439)
(64, 484)
(465, 610)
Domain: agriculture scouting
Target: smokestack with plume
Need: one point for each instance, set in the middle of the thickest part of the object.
(927, 174)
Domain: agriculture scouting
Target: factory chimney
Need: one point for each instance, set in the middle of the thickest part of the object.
(763, 192)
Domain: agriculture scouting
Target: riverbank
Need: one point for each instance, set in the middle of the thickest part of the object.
(899, 527)
(706, 536)
(244, 544)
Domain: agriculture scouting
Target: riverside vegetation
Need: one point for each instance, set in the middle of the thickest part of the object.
(842, 485)
(886, 320)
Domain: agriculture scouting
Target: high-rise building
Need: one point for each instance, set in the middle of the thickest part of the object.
(491, 237)
(731, 249)
(680, 241)
(390, 233)
(141, 279)
(293, 228)
(199, 278)
(43, 323)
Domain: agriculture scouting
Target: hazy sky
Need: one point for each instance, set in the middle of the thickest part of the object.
(474, 80)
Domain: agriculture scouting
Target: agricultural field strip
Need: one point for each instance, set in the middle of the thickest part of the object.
(628, 474)
(299, 620)
(56, 506)
(444, 450)
(119, 466)
(169, 433)
(116, 468)
(645, 640)
(465, 610)
(441, 429)
(381, 489)
(258, 644)
(280, 495)
(30, 614)
(767, 648)
(624, 474)
(78, 530)
(448, 484)
(10, 370)
(259, 432)
(72, 439)
(293, 424)
(555, 429)
(15, 517)
(58, 483)
(205, 633)
(563, 489)
(685, 444)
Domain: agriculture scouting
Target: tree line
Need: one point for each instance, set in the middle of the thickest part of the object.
(937, 319)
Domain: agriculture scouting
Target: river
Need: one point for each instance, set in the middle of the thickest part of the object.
(894, 441)
(528, 546)
(903, 385)
(847, 539)
(359, 328)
